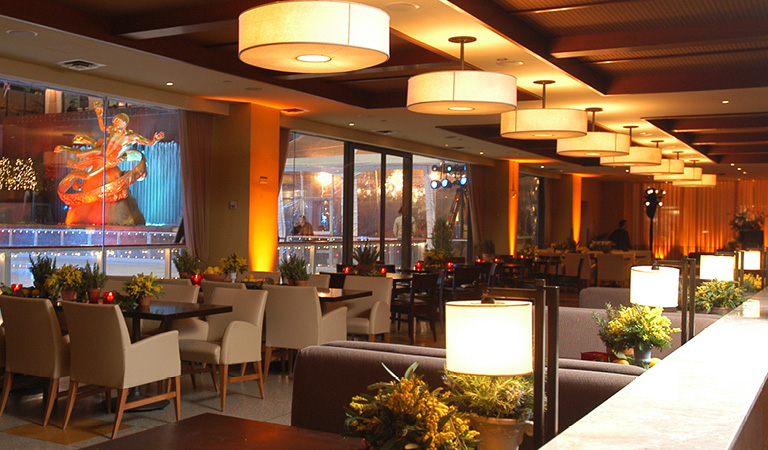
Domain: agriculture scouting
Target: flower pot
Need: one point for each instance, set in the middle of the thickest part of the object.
(183, 275)
(94, 295)
(643, 357)
(68, 295)
(504, 434)
(301, 282)
(144, 301)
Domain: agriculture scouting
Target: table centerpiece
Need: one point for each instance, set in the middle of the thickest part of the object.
(140, 289)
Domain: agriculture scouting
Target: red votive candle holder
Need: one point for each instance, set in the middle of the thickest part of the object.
(418, 265)
(383, 270)
(450, 265)
(345, 269)
(16, 287)
(479, 260)
(109, 297)
(195, 279)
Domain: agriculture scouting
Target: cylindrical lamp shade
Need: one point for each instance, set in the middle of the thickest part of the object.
(707, 180)
(752, 259)
(595, 143)
(667, 166)
(553, 123)
(717, 267)
(689, 174)
(462, 92)
(314, 36)
(638, 156)
(493, 339)
(654, 287)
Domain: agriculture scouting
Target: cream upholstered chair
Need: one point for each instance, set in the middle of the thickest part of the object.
(368, 316)
(102, 354)
(259, 275)
(319, 280)
(613, 268)
(208, 287)
(294, 320)
(233, 338)
(34, 345)
(182, 281)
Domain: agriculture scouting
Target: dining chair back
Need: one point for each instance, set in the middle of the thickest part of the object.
(180, 293)
(294, 319)
(34, 345)
(208, 287)
(368, 316)
(233, 338)
(614, 268)
(462, 283)
(320, 280)
(181, 281)
(102, 354)
(423, 301)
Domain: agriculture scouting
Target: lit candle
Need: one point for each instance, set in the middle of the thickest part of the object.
(419, 265)
(196, 278)
(383, 270)
(345, 269)
(479, 260)
(16, 287)
(109, 297)
(449, 264)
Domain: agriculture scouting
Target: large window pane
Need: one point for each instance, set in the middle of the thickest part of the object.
(393, 210)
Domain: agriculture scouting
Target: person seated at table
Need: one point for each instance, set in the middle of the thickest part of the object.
(620, 237)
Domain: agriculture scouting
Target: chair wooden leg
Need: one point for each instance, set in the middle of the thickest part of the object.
(71, 396)
(242, 369)
(223, 375)
(122, 396)
(267, 360)
(213, 377)
(176, 381)
(371, 338)
(257, 368)
(53, 389)
(6, 390)
(108, 395)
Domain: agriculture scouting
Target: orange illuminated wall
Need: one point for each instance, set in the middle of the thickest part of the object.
(576, 207)
(264, 187)
(514, 183)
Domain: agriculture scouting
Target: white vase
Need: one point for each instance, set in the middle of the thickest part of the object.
(500, 434)
(233, 276)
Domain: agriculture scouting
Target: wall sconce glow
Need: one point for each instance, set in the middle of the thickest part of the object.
(313, 36)
(493, 339)
(654, 287)
(717, 267)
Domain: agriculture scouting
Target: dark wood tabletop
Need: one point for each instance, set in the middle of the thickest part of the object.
(166, 312)
(214, 431)
(337, 295)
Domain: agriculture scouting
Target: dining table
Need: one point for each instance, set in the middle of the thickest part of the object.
(340, 294)
(209, 431)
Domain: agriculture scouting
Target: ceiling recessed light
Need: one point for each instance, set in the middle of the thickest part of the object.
(21, 33)
(351, 124)
(169, 83)
(738, 168)
(541, 166)
(733, 164)
(508, 62)
(725, 102)
(482, 153)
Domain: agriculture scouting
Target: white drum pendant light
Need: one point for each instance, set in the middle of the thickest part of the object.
(314, 36)
(667, 166)
(462, 92)
(553, 123)
(707, 180)
(689, 174)
(638, 156)
(595, 143)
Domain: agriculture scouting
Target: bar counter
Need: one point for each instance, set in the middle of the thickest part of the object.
(708, 394)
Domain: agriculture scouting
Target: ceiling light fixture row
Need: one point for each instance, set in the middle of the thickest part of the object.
(667, 166)
(638, 156)
(689, 173)
(595, 143)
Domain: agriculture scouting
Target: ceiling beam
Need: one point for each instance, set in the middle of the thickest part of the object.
(725, 149)
(651, 83)
(655, 39)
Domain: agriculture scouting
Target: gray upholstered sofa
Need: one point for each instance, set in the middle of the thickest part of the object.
(326, 378)
(597, 297)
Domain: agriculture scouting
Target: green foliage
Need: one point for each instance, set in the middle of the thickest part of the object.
(719, 294)
(497, 397)
(635, 326)
(442, 240)
(66, 277)
(93, 278)
(41, 269)
(752, 283)
(366, 255)
(435, 258)
(529, 251)
(294, 268)
(233, 263)
(141, 286)
(186, 262)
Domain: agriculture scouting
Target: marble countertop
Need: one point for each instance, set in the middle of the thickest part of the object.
(698, 397)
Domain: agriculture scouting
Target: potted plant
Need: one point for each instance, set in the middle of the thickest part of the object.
(233, 265)
(613, 342)
(140, 289)
(41, 269)
(186, 263)
(366, 257)
(442, 245)
(487, 249)
(501, 407)
(294, 270)
(67, 282)
(719, 297)
(405, 414)
(641, 328)
(94, 279)
(752, 283)
(748, 225)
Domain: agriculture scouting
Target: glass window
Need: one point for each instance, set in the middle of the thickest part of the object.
(528, 211)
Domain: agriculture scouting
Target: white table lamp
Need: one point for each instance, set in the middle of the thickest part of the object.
(717, 267)
(654, 286)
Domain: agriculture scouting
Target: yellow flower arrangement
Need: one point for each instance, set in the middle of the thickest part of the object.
(66, 277)
(142, 286)
(405, 414)
(641, 326)
(233, 263)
